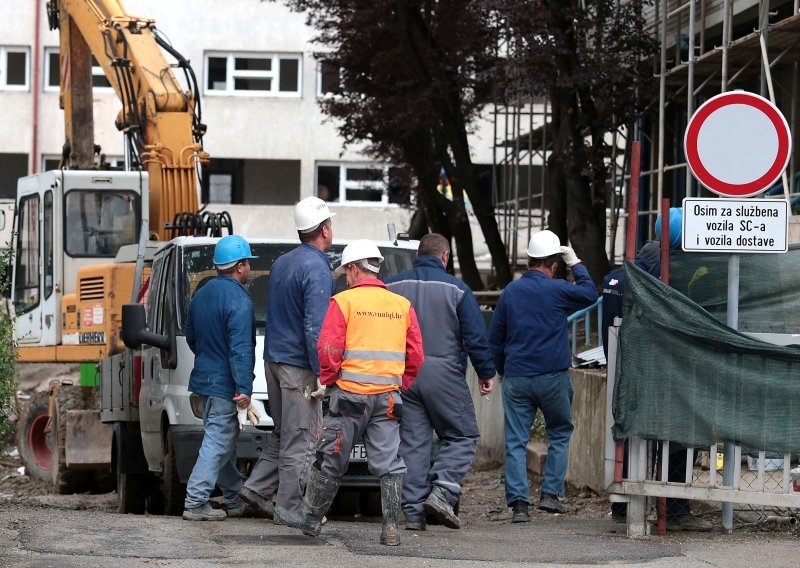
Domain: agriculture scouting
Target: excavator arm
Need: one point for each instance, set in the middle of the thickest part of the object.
(160, 121)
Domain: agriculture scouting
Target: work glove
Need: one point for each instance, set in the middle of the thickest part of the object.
(319, 393)
(569, 256)
(250, 414)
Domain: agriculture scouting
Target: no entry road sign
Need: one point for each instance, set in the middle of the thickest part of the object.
(737, 144)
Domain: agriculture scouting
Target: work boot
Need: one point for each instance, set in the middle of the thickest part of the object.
(437, 505)
(519, 512)
(550, 503)
(687, 523)
(418, 526)
(239, 511)
(391, 487)
(204, 513)
(320, 493)
(262, 505)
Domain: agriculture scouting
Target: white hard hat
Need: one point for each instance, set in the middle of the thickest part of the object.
(310, 212)
(361, 249)
(544, 244)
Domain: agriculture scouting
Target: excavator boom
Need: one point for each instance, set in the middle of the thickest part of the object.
(159, 119)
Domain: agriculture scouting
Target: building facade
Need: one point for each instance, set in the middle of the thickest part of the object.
(260, 84)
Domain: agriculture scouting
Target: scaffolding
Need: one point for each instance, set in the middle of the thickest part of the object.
(706, 47)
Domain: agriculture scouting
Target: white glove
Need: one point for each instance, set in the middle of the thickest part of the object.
(569, 256)
(319, 393)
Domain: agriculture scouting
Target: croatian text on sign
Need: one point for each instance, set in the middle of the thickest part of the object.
(735, 225)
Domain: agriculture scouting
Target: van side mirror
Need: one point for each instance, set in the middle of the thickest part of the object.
(135, 334)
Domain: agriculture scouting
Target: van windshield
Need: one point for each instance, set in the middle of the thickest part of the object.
(198, 269)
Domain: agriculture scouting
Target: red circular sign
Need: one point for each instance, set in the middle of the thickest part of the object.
(737, 144)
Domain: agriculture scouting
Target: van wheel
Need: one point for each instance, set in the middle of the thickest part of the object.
(130, 486)
(174, 490)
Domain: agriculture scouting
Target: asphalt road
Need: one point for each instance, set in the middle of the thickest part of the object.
(42, 536)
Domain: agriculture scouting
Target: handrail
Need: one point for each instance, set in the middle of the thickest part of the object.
(586, 314)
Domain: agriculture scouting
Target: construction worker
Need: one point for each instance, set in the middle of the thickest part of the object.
(679, 517)
(452, 327)
(531, 348)
(300, 286)
(369, 348)
(221, 332)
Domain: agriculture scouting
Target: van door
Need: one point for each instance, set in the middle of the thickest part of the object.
(155, 373)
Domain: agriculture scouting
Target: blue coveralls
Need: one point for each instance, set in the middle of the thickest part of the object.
(452, 327)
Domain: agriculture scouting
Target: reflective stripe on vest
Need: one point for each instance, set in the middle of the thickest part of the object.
(375, 343)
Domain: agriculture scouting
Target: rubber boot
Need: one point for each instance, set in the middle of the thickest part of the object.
(320, 493)
(391, 488)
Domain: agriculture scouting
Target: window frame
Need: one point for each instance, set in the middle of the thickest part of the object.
(329, 94)
(231, 74)
(345, 184)
(97, 71)
(4, 51)
(20, 250)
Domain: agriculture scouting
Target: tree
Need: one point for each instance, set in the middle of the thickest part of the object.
(8, 352)
(592, 59)
(410, 73)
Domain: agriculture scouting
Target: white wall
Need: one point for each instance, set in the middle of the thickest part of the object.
(238, 126)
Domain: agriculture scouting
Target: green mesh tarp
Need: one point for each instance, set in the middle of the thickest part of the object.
(684, 376)
(769, 287)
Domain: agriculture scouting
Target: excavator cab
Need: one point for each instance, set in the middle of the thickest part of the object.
(67, 223)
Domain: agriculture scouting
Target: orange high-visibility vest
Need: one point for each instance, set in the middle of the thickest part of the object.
(375, 343)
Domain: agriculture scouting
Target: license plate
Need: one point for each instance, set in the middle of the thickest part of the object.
(358, 453)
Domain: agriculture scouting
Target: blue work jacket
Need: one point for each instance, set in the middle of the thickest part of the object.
(221, 332)
(529, 328)
(300, 287)
(449, 317)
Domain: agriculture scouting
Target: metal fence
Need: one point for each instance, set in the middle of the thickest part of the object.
(759, 479)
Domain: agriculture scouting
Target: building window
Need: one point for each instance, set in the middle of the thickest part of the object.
(14, 68)
(329, 79)
(365, 184)
(52, 72)
(259, 74)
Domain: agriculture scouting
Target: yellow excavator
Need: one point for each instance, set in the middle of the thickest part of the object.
(83, 235)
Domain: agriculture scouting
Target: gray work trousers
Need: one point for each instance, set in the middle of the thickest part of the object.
(375, 417)
(283, 465)
(440, 401)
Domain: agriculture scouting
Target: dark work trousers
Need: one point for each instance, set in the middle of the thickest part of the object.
(677, 473)
(440, 401)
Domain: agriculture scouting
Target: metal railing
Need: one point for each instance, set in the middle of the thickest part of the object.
(586, 316)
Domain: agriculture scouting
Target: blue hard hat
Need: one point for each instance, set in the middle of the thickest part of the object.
(230, 249)
(675, 226)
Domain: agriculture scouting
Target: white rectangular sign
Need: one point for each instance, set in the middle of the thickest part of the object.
(735, 225)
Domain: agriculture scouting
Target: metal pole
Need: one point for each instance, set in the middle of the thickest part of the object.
(733, 289)
(690, 85)
(793, 114)
(633, 200)
(517, 134)
(544, 164)
(662, 96)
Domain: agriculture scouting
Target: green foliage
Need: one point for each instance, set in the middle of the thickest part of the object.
(8, 355)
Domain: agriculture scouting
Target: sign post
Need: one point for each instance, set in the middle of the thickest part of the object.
(737, 145)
